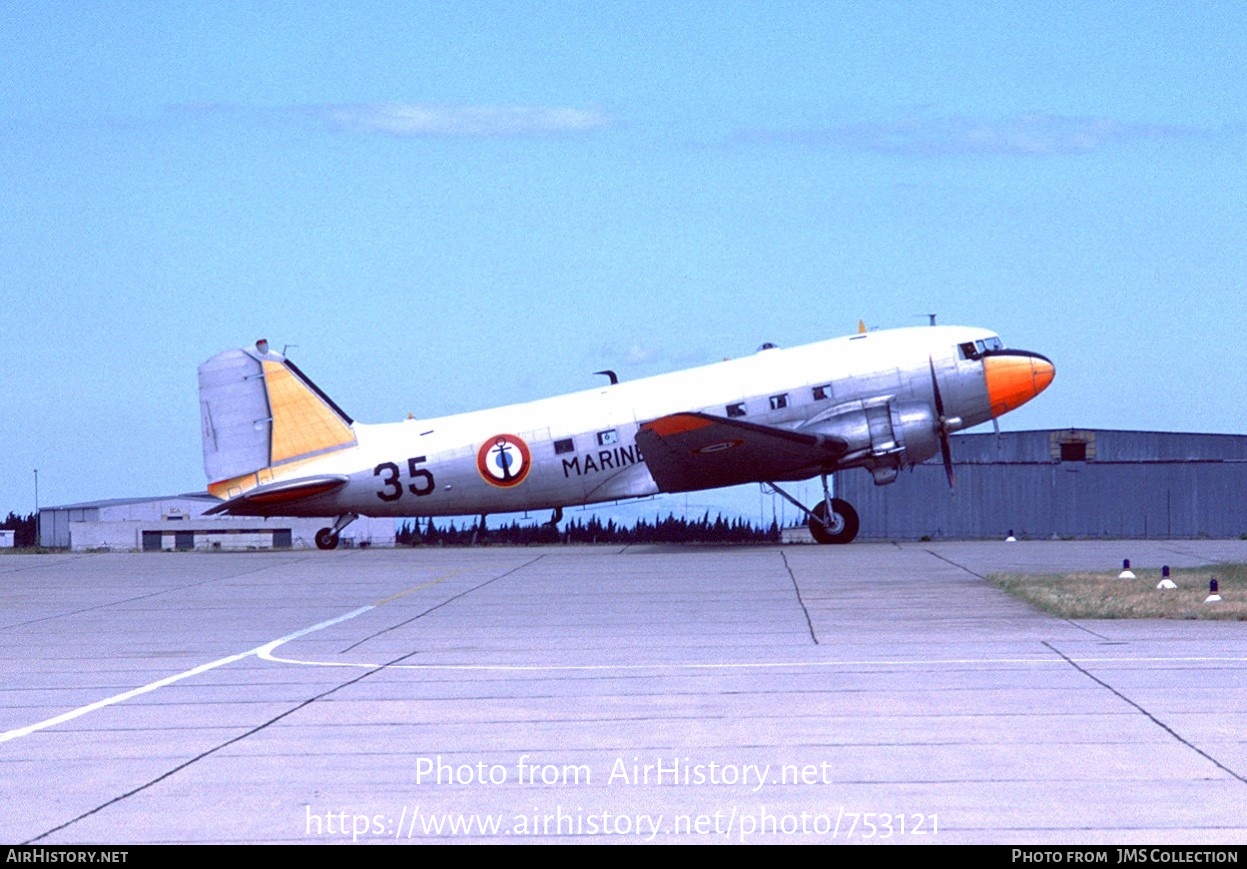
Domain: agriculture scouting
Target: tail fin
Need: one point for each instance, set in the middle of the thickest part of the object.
(259, 411)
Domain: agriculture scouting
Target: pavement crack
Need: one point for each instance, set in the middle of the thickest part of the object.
(797, 588)
(254, 730)
(211, 751)
(438, 606)
(1073, 624)
(953, 563)
(1162, 725)
(1086, 630)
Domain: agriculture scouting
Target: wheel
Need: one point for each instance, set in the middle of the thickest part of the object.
(326, 539)
(842, 525)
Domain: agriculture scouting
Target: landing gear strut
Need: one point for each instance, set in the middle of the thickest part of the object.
(831, 520)
(327, 538)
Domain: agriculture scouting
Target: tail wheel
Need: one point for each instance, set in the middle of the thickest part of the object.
(840, 527)
(326, 539)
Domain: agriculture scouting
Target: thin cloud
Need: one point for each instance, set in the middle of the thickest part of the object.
(419, 120)
(1024, 135)
(639, 355)
(414, 120)
(650, 357)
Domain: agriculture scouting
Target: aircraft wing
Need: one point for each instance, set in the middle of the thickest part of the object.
(689, 451)
(279, 499)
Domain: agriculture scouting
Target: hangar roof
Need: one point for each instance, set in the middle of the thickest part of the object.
(122, 502)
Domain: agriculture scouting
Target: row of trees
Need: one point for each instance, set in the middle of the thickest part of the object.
(23, 525)
(669, 530)
(593, 530)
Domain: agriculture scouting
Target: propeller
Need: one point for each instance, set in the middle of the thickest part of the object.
(942, 427)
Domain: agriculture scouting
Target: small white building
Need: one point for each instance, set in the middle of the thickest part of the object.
(177, 523)
(796, 534)
(6, 539)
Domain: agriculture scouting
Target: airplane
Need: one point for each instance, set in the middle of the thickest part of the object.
(274, 444)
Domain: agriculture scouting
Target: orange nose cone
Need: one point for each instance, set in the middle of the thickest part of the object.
(1014, 378)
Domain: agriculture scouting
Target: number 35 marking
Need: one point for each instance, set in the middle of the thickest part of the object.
(421, 480)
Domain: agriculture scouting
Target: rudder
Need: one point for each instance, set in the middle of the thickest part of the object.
(258, 411)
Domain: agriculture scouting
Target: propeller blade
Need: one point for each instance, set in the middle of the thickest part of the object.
(935, 385)
(946, 449)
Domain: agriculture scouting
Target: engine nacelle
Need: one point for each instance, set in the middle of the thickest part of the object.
(884, 435)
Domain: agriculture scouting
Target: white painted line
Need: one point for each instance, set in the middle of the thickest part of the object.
(118, 698)
(263, 652)
(169, 680)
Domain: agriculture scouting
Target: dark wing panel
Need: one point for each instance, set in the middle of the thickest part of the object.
(689, 451)
(280, 499)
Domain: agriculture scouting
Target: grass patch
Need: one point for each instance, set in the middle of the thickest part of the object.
(1102, 595)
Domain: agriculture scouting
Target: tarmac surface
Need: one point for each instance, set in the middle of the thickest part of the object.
(868, 693)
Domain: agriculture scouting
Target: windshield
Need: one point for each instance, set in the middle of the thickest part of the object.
(979, 349)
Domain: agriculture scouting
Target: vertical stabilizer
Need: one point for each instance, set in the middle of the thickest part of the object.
(259, 412)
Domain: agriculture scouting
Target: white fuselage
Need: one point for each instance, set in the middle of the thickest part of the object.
(582, 446)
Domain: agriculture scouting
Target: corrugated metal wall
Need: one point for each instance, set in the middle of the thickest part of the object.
(1132, 484)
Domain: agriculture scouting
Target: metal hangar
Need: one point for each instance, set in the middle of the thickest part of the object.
(1064, 483)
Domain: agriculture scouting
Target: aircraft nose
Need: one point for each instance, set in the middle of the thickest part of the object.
(1014, 377)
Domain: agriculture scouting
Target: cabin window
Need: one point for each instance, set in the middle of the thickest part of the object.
(779, 402)
(564, 446)
(607, 438)
(736, 409)
(822, 393)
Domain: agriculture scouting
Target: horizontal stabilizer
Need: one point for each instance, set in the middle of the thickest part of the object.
(276, 498)
(689, 451)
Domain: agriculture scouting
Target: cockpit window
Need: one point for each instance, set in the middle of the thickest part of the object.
(978, 349)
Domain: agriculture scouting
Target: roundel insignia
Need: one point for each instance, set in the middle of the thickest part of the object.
(504, 460)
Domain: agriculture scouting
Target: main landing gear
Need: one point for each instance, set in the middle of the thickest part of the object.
(327, 538)
(838, 524)
(831, 520)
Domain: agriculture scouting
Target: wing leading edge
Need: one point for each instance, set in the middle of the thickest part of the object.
(690, 451)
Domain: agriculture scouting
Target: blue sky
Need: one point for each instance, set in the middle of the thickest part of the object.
(451, 206)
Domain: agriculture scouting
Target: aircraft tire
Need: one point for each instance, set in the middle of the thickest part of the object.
(326, 539)
(843, 526)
